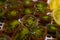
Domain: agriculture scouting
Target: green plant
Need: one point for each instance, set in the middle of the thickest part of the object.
(11, 14)
(29, 21)
(41, 7)
(46, 18)
(11, 25)
(22, 34)
(27, 11)
(52, 28)
(27, 2)
(38, 32)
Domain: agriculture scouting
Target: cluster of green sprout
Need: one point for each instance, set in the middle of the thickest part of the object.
(30, 25)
